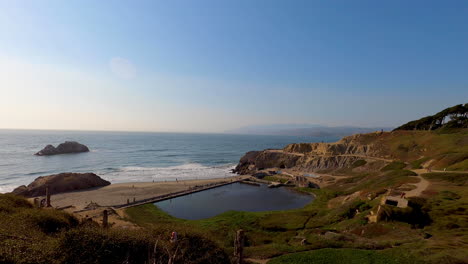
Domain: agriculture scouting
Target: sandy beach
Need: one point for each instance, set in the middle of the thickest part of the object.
(117, 194)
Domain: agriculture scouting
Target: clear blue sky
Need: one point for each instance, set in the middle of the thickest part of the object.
(210, 66)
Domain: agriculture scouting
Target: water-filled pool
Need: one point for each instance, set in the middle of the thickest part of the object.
(236, 196)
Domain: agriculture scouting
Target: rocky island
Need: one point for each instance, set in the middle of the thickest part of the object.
(64, 148)
(60, 183)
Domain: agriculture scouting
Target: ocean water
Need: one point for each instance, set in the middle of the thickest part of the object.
(126, 157)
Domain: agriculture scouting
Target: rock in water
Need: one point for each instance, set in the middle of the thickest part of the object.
(59, 183)
(67, 147)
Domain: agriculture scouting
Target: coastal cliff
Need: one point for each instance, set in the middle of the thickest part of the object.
(420, 147)
(310, 157)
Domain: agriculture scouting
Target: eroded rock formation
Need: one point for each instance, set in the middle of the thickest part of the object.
(64, 148)
(59, 183)
(312, 156)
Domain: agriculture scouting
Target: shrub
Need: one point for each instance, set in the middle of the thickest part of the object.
(96, 245)
(448, 195)
(275, 179)
(415, 214)
(48, 220)
(402, 173)
(10, 203)
(395, 165)
(358, 163)
(350, 210)
(417, 164)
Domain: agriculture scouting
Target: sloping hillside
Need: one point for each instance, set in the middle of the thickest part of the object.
(428, 149)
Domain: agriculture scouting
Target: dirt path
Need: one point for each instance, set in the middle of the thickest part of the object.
(339, 155)
(259, 261)
(423, 184)
(420, 187)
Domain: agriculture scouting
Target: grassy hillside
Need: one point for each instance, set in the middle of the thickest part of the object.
(436, 149)
(432, 230)
(31, 235)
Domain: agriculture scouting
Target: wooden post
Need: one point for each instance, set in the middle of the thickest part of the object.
(37, 204)
(105, 218)
(47, 197)
(239, 246)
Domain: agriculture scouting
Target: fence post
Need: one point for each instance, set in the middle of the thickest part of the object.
(105, 219)
(37, 203)
(47, 197)
(239, 246)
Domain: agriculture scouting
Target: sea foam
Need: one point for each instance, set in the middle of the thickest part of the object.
(179, 172)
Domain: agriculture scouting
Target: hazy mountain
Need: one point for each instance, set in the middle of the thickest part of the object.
(304, 130)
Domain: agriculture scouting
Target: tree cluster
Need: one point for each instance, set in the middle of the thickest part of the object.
(452, 117)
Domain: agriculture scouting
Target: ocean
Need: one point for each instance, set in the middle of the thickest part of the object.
(130, 156)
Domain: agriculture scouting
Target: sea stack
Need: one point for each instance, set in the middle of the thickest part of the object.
(64, 148)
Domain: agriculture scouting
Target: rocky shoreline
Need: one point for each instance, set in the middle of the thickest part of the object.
(61, 183)
(313, 157)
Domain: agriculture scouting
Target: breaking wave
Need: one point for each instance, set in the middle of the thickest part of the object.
(180, 172)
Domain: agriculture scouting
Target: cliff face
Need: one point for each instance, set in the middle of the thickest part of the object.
(435, 150)
(310, 157)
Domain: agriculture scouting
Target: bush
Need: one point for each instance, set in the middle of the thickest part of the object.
(448, 195)
(10, 203)
(417, 164)
(415, 214)
(350, 210)
(396, 165)
(275, 179)
(96, 245)
(402, 173)
(48, 220)
(358, 163)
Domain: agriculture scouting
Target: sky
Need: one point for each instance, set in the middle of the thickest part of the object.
(216, 65)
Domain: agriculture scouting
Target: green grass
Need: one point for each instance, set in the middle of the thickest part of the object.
(338, 256)
(34, 235)
(417, 164)
(459, 166)
(278, 233)
(451, 160)
(275, 179)
(370, 182)
(396, 165)
(456, 178)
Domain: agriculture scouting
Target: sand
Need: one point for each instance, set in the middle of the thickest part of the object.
(117, 194)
